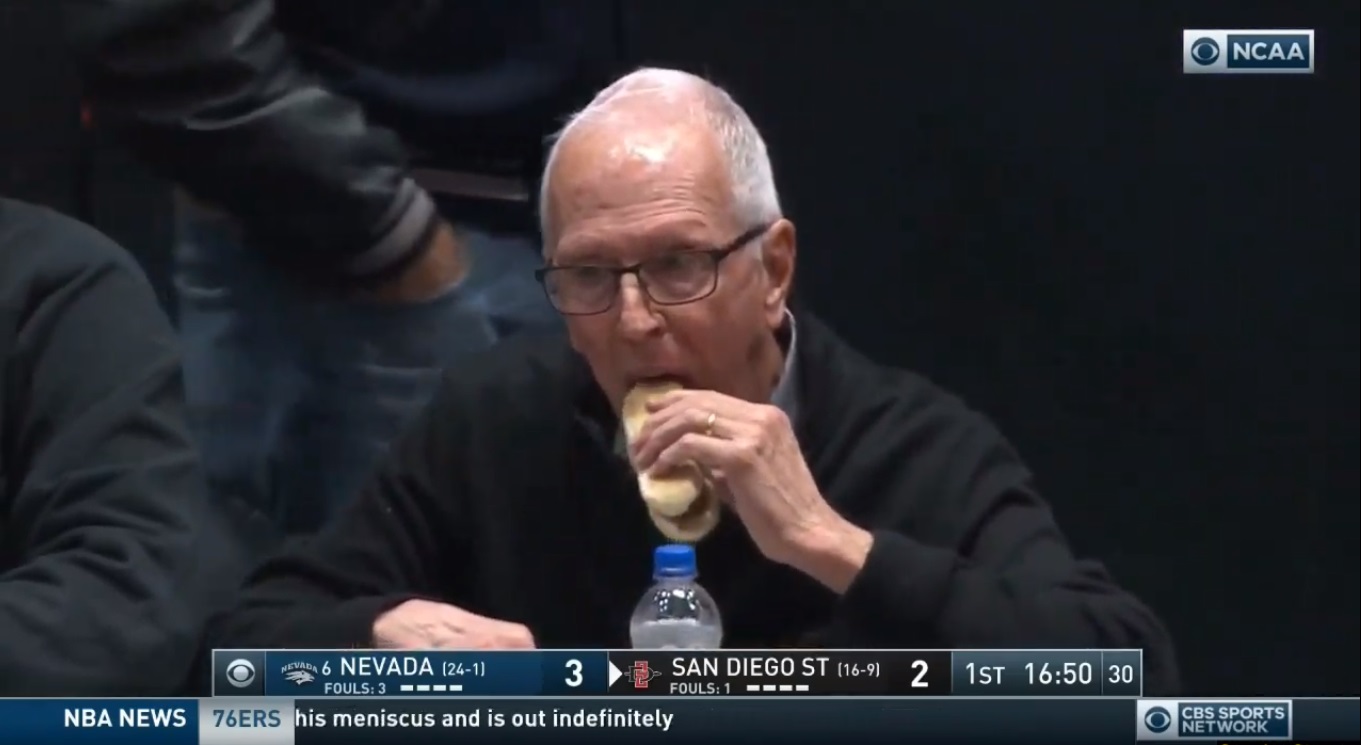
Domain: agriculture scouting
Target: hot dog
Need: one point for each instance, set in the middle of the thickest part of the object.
(680, 504)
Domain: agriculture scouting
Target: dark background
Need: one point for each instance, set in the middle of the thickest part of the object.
(1148, 279)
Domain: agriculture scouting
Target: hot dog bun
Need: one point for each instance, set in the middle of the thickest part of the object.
(634, 409)
(695, 524)
(670, 495)
(679, 503)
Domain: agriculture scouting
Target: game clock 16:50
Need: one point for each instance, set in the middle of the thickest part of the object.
(1059, 674)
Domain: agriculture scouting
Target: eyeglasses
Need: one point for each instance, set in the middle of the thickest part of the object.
(672, 279)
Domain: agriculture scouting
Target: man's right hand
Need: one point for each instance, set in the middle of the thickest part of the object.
(422, 624)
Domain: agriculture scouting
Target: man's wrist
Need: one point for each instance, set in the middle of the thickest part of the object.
(440, 263)
(834, 554)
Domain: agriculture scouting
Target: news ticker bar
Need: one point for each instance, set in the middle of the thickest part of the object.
(284, 721)
(349, 673)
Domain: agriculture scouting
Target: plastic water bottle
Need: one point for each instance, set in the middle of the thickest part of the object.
(675, 613)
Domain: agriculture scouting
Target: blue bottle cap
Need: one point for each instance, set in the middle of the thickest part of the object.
(675, 560)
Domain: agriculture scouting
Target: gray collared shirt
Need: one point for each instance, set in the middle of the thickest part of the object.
(784, 397)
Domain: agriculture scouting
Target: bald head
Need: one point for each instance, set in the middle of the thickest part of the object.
(661, 135)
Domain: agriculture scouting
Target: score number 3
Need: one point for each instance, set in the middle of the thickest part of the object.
(574, 678)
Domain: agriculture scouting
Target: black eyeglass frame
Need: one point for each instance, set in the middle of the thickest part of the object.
(716, 257)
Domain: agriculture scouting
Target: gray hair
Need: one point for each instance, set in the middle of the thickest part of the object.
(755, 200)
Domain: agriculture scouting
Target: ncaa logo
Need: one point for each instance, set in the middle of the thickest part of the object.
(1228, 51)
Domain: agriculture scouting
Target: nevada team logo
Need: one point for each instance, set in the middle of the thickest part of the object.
(299, 673)
(1229, 52)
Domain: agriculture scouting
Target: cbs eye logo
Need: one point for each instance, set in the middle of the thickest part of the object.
(240, 673)
(1205, 51)
(1157, 720)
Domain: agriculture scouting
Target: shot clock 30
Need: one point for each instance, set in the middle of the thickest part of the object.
(1121, 674)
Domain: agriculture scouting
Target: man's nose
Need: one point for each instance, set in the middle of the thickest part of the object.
(636, 315)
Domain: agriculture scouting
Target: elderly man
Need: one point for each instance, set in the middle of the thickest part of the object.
(867, 508)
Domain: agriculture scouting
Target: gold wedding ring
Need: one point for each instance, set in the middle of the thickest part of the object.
(709, 424)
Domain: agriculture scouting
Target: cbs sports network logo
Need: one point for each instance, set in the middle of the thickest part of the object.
(1212, 722)
(1247, 51)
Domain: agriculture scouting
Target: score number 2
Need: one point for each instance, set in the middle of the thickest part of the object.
(574, 678)
(919, 681)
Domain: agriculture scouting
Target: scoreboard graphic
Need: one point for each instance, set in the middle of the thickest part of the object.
(986, 673)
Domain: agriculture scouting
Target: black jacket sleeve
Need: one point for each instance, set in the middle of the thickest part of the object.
(394, 542)
(989, 568)
(113, 554)
(208, 93)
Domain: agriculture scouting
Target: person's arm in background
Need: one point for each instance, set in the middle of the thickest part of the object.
(209, 94)
(114, 557)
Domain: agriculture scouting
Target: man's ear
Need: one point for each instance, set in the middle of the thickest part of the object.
(778, 253)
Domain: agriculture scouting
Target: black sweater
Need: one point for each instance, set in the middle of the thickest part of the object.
(508, 500)
(111, 555)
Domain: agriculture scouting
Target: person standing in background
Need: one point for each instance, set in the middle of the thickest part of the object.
(326, 271)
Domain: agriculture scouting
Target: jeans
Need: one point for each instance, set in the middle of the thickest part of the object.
(294, 394)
